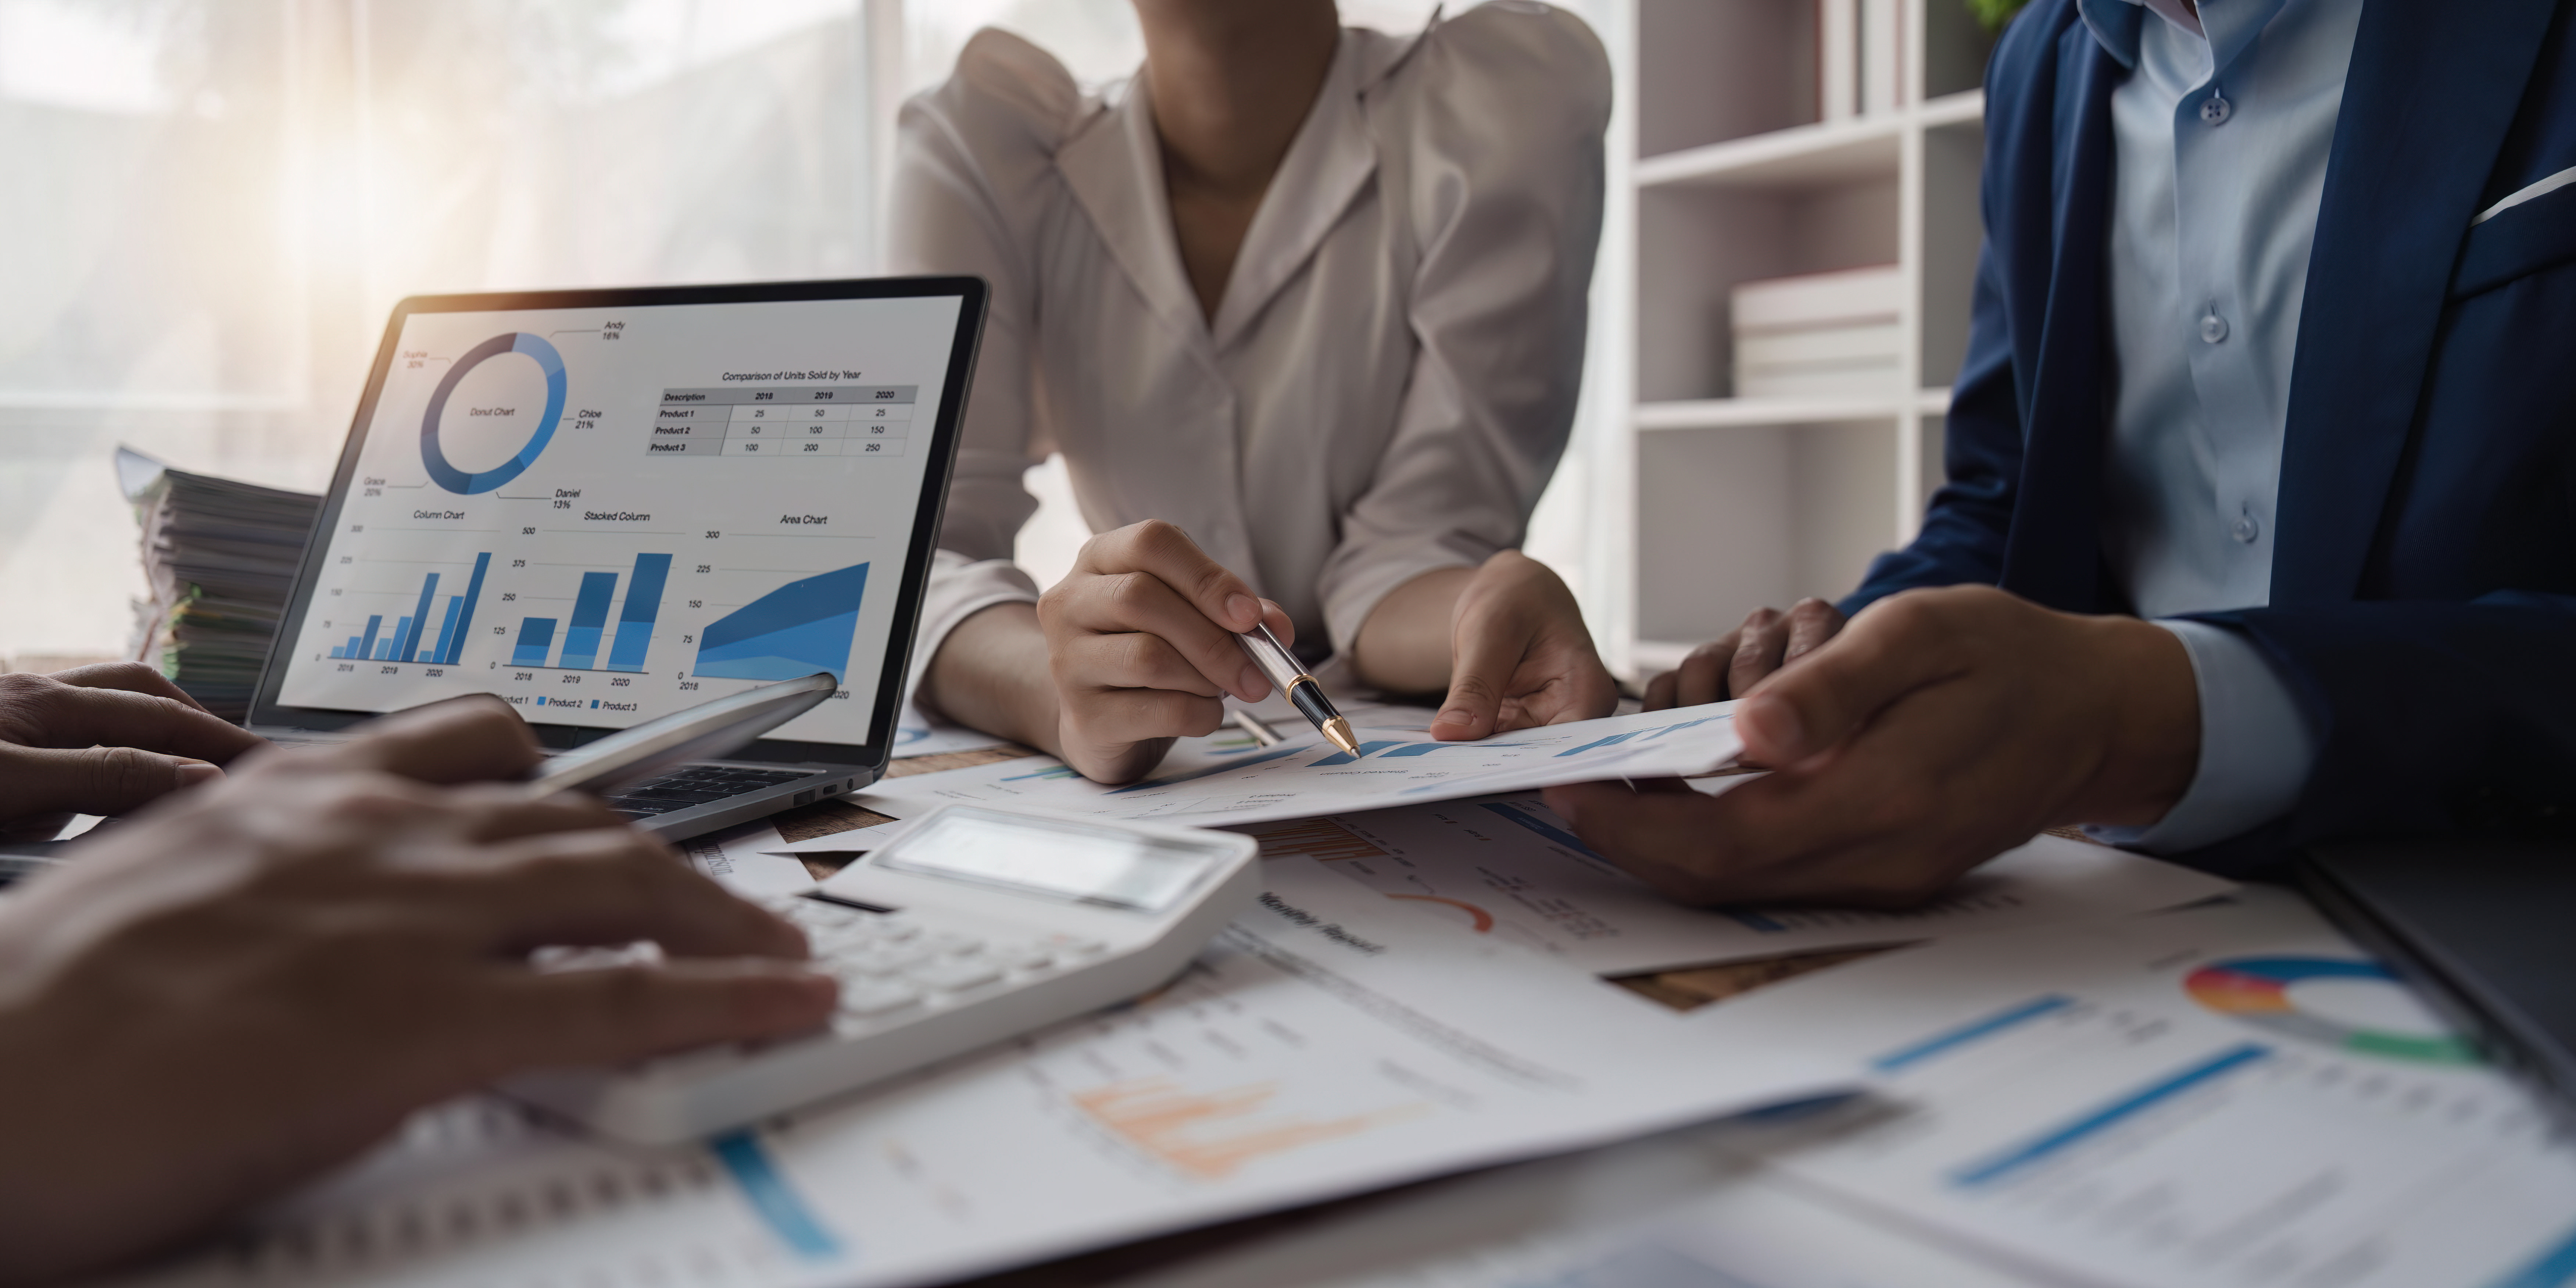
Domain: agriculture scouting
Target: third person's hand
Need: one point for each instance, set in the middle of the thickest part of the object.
(1731, 665)
(103, 740)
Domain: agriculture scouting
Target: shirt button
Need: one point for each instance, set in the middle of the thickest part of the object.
(2213, 328)
(2245, 529)
(2215, 110)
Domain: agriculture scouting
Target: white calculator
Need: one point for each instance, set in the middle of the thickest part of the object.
(973, 926)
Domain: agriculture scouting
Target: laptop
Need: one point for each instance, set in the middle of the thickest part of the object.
(605, 506)
(2480, 927)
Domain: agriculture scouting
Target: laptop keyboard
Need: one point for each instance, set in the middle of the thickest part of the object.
(697, 785)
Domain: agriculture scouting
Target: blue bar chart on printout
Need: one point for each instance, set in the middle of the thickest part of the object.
(800, 628)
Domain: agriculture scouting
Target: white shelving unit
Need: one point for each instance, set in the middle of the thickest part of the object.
(1733, 503)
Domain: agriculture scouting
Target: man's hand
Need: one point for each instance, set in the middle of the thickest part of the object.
(1140, 638)
(1523, 656)
(250, 983)
(103, 740)
(1940, 729)
(1731, 665)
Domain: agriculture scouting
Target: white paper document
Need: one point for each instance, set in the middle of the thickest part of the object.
(752, 859)
(2231, 1095)
(1324, 1045)
(1508, 867)
(858, 840)
(1667, 1212)
(918, 733)
(1229, 779)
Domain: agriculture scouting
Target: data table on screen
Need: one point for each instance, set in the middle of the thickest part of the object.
(810, 422)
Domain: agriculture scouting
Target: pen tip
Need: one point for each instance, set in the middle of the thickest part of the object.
(1338, 731)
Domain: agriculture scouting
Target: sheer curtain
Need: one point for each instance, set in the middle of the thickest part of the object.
(214, 203)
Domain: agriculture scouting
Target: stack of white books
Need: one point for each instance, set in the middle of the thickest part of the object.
(1860, 47)
(1819, 335)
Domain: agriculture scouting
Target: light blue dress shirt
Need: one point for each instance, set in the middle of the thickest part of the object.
(2223, 129)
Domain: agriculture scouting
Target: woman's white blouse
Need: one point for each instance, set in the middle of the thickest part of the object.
(1392, 373)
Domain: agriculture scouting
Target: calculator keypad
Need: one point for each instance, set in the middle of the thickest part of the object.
(894, 964)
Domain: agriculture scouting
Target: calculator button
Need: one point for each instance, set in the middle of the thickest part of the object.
(881, 958)
(1023, 956)
(853, 967)
(842, 939)
(1073, 945)
(882, 997)
(954, 974)
(954, 943)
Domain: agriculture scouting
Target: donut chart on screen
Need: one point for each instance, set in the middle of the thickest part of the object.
(2256, 990)
(536, 348)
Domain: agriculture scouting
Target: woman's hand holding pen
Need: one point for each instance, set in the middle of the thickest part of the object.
(1140, 647)
(1140, 640)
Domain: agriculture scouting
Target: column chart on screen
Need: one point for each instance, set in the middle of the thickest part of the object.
(606, 515)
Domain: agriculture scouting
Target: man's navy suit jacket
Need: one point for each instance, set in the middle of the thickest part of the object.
(2424, 570)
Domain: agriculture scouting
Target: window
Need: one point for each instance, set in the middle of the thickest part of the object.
(213, 204)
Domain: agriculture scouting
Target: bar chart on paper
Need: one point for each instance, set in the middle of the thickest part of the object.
(633, 639)
(1213, 783)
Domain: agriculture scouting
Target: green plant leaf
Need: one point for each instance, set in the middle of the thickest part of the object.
(1995, 13)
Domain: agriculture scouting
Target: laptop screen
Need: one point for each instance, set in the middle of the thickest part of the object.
(608, 506)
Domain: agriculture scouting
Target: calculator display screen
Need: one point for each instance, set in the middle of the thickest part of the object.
(1061, 860)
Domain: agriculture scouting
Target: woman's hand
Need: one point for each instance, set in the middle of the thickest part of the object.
(1505, 641)
(1523, 656)
(1140, 640)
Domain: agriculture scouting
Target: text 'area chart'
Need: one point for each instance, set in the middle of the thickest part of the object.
(587, 513)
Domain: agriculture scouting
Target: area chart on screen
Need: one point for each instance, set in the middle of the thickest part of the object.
(800, 628)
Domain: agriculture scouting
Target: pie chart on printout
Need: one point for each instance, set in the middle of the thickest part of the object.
(2353, 1006)
(516, 345)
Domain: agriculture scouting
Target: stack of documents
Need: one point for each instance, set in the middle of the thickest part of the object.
(1819, 335)
(220, 556)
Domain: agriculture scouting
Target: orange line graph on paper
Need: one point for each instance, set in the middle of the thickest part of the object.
(1209, 1136)
(1484, 920)
(1318, 838)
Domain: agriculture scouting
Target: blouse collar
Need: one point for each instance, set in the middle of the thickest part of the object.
(1115, 171)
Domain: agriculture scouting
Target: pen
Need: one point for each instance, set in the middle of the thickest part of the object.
(1262, 734)
(1281, 666)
